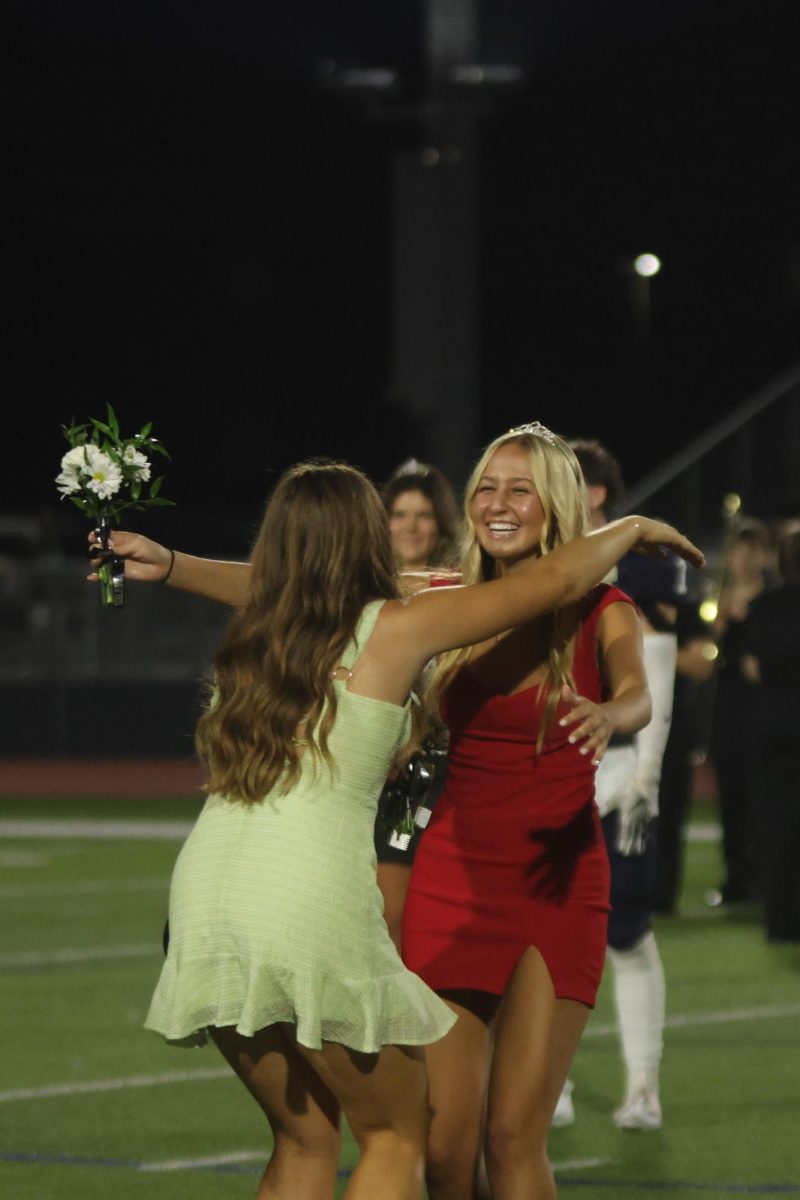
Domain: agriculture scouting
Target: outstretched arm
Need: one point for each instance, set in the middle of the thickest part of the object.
(149, 561)
(445, 618)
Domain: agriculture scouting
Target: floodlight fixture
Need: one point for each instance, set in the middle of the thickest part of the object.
(647, 265)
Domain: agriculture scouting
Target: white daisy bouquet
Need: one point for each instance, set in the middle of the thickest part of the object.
(104, 473)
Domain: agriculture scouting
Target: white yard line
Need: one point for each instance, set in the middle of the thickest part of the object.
(78, 954)
(683, 1020)
(770, 1012)
(217, 1160)
(83, 887)
(704, 831)
(243, 1156)
(114, 1085)
(176, 830)
(160, 831)
(581, 1164)
(721, 912)
(139, 1081)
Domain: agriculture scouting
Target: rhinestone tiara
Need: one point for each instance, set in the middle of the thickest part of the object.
(536, 429)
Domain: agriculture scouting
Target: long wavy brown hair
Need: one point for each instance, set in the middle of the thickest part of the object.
(323, 551)
(562, 491)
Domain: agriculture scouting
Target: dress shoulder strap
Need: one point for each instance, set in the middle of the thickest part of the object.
(363, 632)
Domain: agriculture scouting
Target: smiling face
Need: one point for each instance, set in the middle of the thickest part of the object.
(414, 529)
(505, 507)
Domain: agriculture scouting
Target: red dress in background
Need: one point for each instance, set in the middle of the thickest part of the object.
(514, 854)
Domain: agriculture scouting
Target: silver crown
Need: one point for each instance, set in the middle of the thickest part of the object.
(411, 466)
(536, 429)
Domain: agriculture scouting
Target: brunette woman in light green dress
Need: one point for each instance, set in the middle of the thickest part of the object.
(278, 948)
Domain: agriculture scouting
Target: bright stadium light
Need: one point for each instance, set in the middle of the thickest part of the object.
(647, 265)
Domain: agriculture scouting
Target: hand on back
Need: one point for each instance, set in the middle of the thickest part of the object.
(588, 722)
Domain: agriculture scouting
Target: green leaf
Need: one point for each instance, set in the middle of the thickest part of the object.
(155, 486)
(143, 432)
(159, 500)
(113, 422)
(136, 489)
(75, 434)
(155, 445)
(101, 426)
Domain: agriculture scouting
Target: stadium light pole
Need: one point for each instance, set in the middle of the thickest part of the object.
(433, 374)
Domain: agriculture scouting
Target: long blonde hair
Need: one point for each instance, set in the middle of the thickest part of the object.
(561, 489)
(322, 552)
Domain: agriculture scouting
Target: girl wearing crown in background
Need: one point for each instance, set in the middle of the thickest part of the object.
(423, 521)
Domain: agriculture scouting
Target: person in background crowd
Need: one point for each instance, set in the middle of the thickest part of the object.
(686, 744)
(626, 791)
(423, 516)
(772, 660)
(424, 522)
(746, 565)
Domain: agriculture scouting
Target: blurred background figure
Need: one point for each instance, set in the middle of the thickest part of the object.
(686, 746)
(746, 571)
(423, 516)
(626, 791)
(773, 662)
(424, 521)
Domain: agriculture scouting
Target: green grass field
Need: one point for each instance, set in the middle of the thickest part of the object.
(92, 1106)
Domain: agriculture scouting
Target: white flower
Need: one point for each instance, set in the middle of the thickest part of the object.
(106, 477)
(73, 465)
(134, 458)
(68, 482)
(75, 459)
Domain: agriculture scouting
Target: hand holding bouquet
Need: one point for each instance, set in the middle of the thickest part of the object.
(103, 474)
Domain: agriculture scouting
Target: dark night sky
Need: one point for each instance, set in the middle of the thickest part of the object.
(199, 228)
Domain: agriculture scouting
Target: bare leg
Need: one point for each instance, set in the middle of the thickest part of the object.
(458, 1066)
(385, 1099)
(393, 880)
(302, 1112)
(536, 1036)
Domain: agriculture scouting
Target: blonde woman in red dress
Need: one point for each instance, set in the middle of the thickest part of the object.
(506, 914)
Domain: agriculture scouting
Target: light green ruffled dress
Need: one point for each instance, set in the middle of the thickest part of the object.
(275, 914)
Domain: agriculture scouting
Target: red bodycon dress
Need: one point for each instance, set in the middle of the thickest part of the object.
(514, 854)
